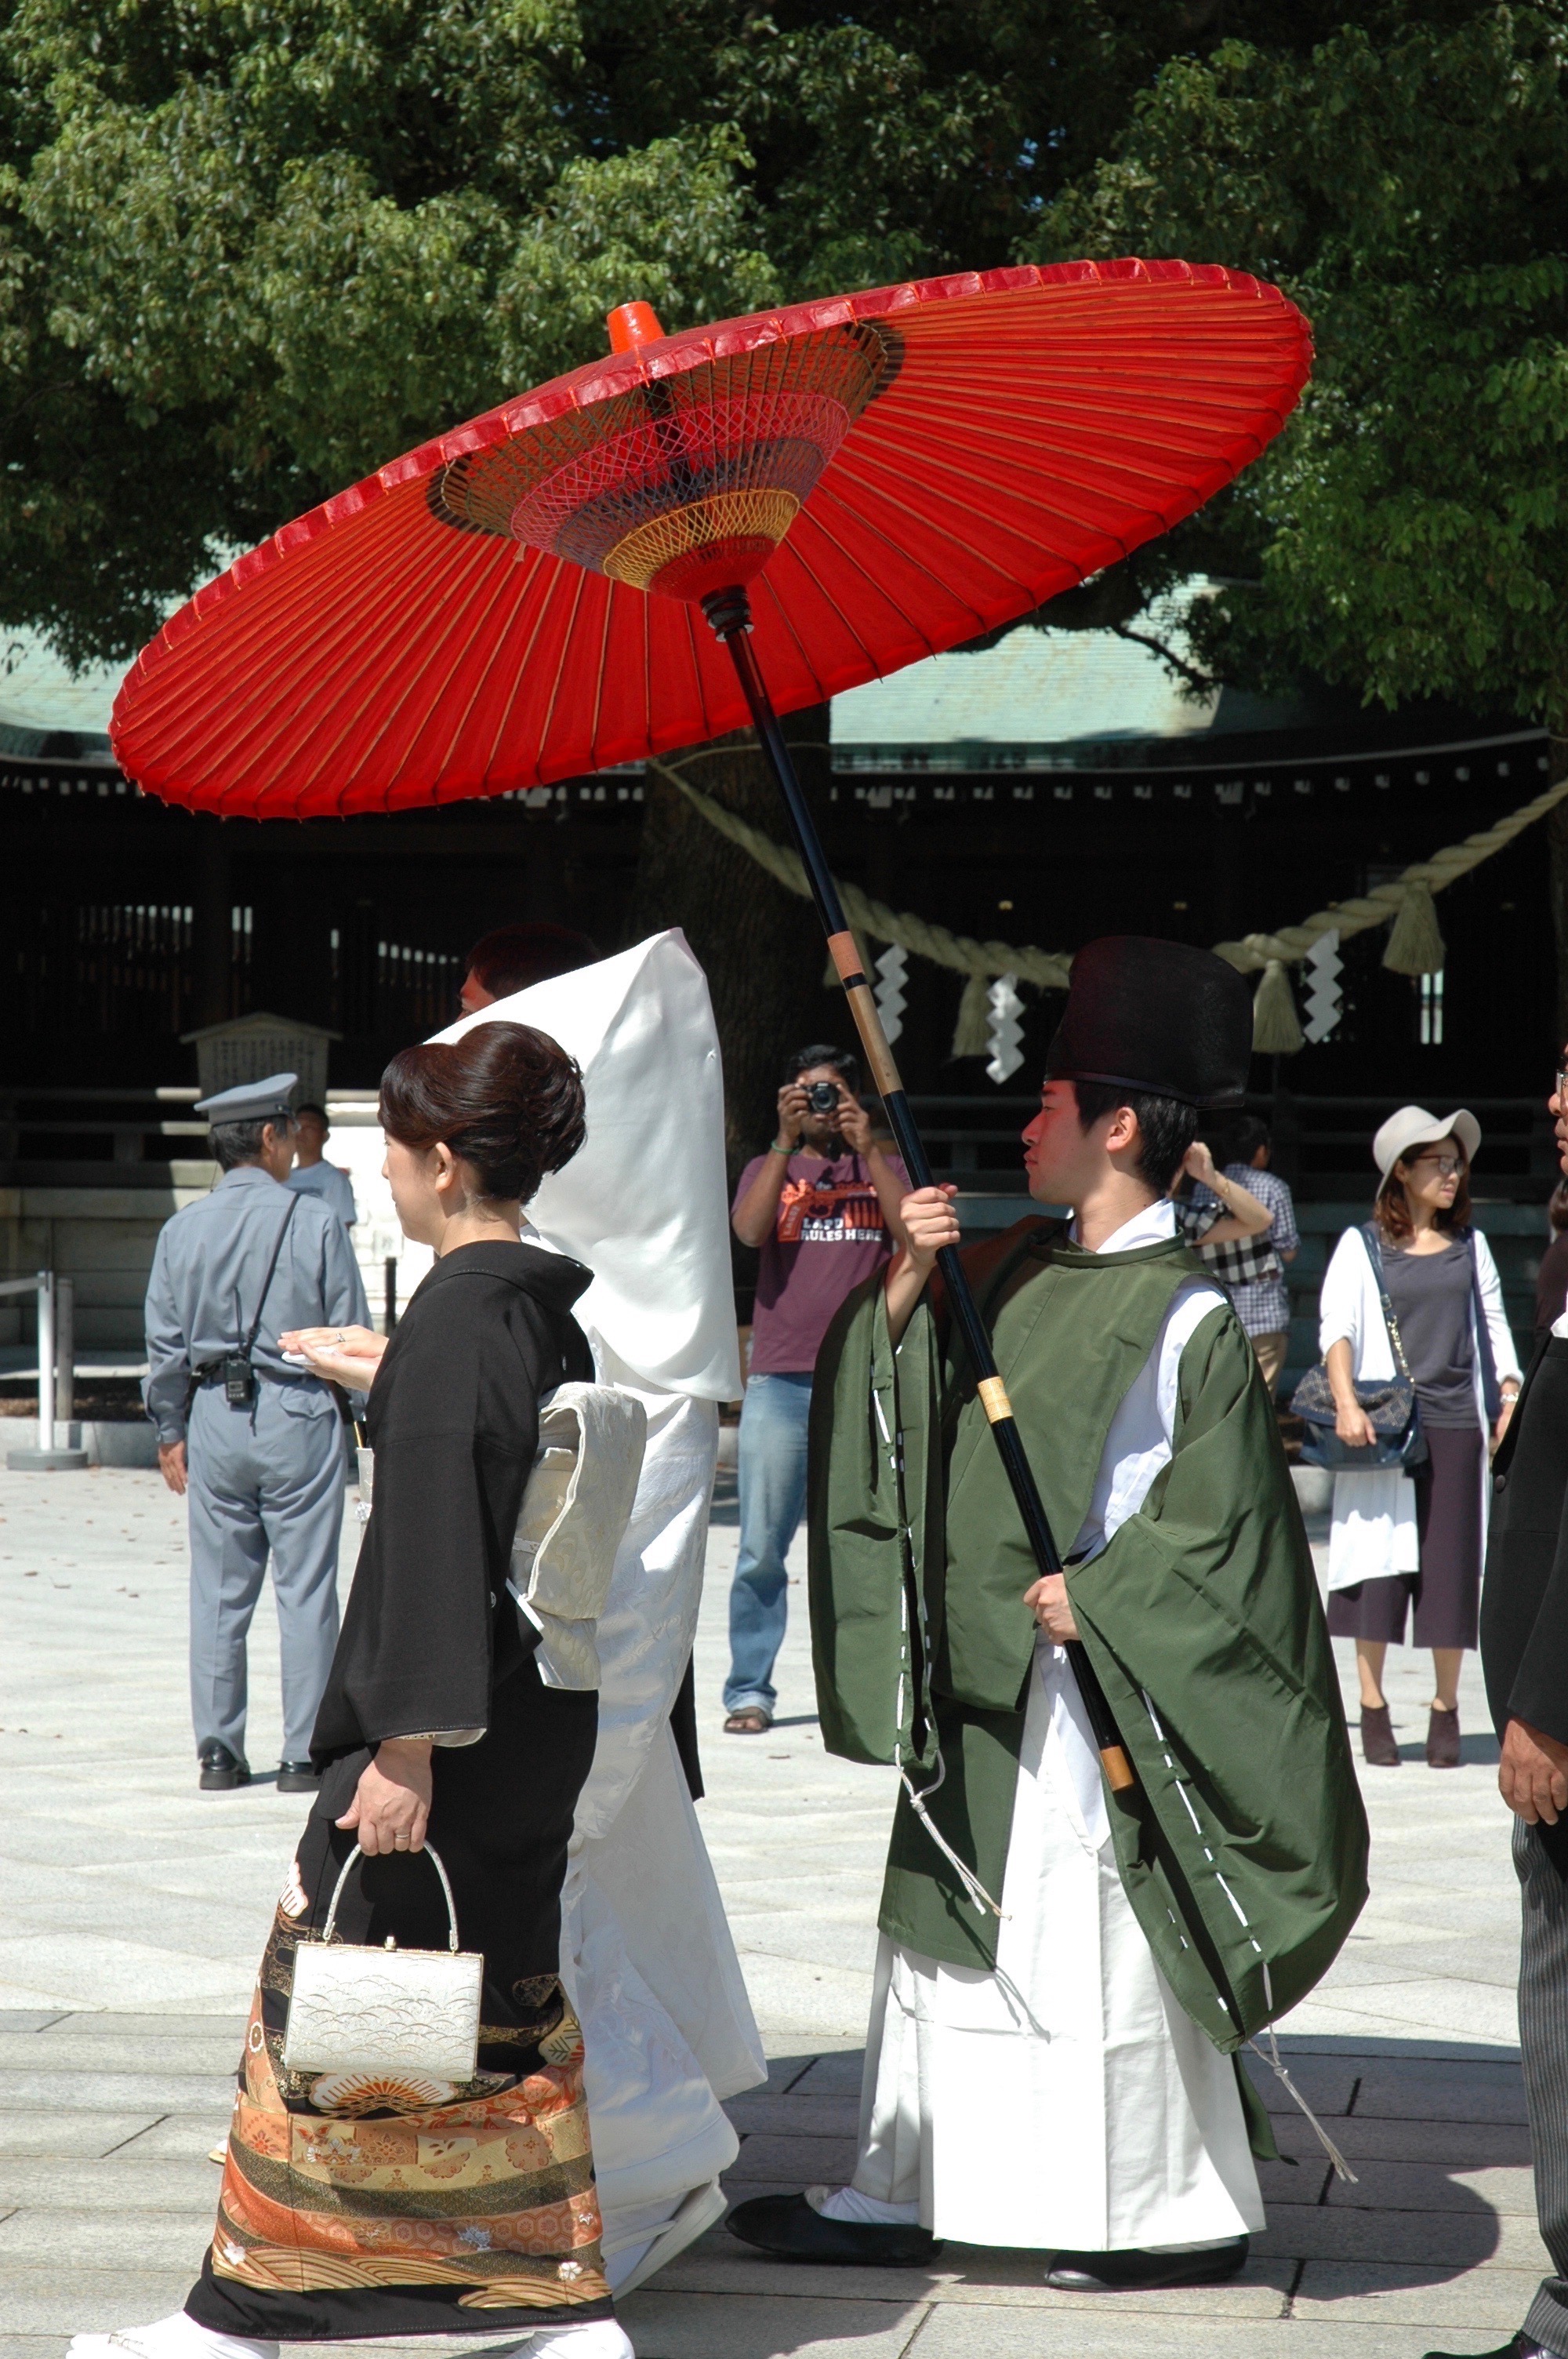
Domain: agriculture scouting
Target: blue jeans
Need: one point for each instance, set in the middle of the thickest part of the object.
(772, 1478)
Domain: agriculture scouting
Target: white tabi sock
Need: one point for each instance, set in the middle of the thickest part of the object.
(178, 2337)
(861, 2211)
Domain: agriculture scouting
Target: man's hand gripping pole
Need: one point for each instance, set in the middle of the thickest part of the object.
(728, 613)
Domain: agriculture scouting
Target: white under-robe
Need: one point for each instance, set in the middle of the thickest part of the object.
(1064, 2100)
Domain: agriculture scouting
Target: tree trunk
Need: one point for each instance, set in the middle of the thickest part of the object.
(1557, 840)
(761, 947)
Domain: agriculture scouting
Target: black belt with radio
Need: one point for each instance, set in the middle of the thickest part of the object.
(234, 1371)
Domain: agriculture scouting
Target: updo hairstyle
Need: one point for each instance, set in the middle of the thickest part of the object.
(505, 1098)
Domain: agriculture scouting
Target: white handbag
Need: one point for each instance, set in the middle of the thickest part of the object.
(573, 1518)
(358, 2009)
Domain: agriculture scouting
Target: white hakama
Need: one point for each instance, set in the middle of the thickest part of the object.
(1065, 2100)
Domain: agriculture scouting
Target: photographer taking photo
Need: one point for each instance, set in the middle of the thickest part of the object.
(821, 1207)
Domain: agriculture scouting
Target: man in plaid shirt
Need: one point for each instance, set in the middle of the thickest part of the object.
(1253, 1268)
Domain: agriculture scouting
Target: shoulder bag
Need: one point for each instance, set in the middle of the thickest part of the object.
(1390, 1404)
(354, 2008)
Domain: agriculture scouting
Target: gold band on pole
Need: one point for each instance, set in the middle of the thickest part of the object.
(994, 1399)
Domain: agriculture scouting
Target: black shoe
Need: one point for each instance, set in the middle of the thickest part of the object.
(1134, 2271)
(786, 2227)
(297, 1778)
(1521, 2347)
(220, 1769)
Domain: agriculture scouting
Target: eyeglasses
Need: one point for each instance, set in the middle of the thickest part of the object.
(1443, 1164)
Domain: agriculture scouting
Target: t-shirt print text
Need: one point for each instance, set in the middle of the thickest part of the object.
(847, 1214)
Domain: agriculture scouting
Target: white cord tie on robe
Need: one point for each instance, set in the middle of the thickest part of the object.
(1342, 2169)
(975, 1890)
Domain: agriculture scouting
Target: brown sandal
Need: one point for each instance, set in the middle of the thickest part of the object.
(752, 1720)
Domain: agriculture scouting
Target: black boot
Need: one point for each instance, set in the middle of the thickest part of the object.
(1442, 1739)
(787, 2228)
(1378, 1746)
(220, 1769)
(1133, 2271)
(297, 1778)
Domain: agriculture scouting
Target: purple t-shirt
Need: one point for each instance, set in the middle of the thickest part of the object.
(827, 1236)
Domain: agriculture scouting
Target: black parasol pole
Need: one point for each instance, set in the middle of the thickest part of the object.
(729, 613)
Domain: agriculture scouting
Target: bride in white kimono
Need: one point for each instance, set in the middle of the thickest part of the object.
(646, 1952)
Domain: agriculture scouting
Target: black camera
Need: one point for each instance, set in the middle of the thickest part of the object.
(822, 1097)
(239, 1379)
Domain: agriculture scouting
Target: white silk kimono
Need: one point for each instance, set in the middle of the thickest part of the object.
(647, 1952)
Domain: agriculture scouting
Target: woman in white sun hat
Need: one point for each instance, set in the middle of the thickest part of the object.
(1400, 1542)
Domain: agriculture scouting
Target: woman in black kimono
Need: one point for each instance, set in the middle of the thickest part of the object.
(398, 2203)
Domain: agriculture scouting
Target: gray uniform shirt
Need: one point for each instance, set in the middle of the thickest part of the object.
(334, 1187)
(207, 1278)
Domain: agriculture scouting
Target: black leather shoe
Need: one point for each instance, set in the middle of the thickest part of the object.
(1134, 2271)
(297, 1778)
(787, 2228)
(220, 1769)
(1521, 2347)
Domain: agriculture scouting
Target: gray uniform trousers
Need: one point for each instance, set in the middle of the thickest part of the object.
(268, 1477)
(1543, 2040)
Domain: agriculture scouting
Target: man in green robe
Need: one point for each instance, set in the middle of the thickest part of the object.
(1057, 2067)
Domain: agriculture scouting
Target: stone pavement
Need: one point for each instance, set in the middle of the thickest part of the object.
(136, 1909)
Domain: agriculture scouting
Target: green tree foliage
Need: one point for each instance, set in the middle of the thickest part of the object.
(1407, 182)
(249, 249)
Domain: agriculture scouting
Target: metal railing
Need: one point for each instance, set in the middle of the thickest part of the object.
(57, 1349)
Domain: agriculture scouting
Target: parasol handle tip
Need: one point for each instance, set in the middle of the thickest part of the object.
(630, 324)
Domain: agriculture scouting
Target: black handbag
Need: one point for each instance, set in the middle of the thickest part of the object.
(1391, 1405)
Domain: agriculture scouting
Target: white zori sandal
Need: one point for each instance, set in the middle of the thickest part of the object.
(180, 2337)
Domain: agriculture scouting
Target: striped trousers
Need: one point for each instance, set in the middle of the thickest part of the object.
(1543, 2042)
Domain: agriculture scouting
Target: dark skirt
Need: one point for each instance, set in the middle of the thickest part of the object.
(356, 2204)
(1446, 1592)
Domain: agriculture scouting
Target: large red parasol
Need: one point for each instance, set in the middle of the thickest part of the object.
(893, 473)
(839, 488)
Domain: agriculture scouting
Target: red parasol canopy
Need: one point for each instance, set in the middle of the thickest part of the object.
(891, 472)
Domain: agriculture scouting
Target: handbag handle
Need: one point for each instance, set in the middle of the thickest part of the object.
(1375, 1256)
(435, 1858)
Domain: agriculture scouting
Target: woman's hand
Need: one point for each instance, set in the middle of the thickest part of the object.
(1510, 1402)
(1199, 1165)
(349, 1356)
(1047, 1601)
(391, 1808)
(1353, 1425)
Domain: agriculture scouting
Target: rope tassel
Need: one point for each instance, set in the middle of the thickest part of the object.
(974, 1889)
(1271, 2058)
(1415, 937)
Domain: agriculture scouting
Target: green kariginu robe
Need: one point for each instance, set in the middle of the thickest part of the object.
(1242, 1848)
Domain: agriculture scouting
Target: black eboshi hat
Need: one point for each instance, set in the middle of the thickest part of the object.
(1156, 1016)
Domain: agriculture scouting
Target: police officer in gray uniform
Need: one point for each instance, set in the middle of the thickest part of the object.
(256, 1445)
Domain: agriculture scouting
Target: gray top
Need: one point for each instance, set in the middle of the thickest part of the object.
(330, 1183)
(206, 1283)
(1434, 1304)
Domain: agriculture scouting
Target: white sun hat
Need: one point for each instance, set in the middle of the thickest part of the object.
(1413, 1126)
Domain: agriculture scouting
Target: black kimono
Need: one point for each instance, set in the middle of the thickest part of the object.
(357, 2205)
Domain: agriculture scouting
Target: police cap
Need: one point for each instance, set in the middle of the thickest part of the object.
(253, 1100)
